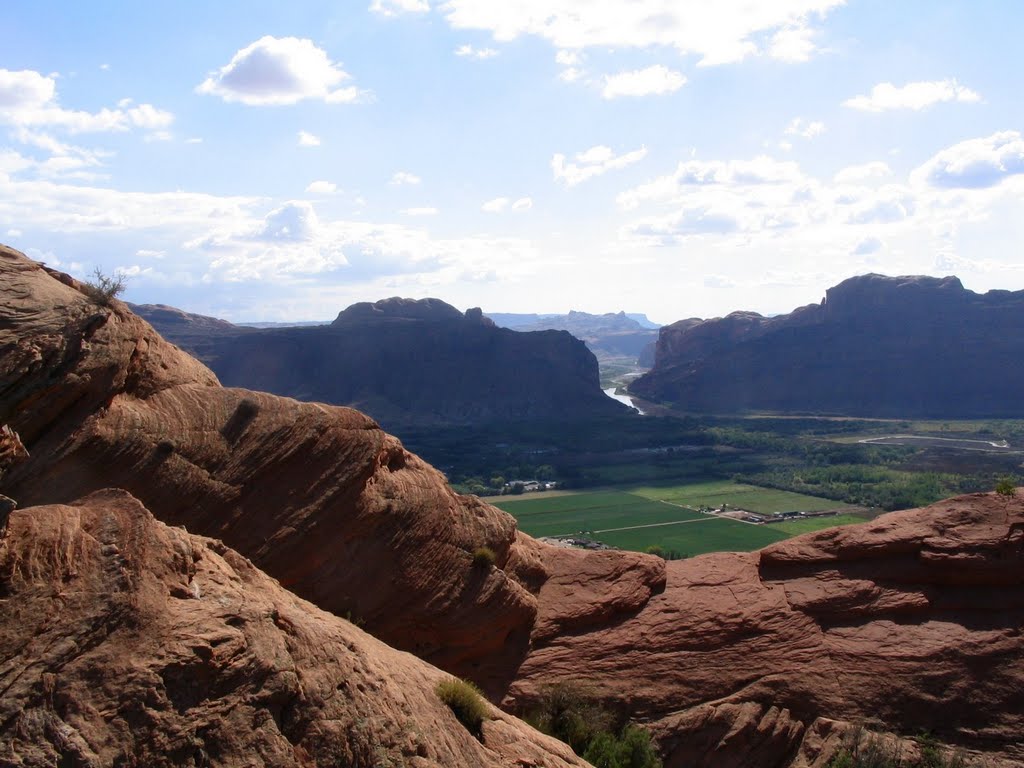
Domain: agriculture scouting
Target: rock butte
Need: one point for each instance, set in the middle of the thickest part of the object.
(912, 621)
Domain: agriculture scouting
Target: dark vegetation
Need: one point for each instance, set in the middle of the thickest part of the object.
(815, 456)
(484, 557)
(466, 703)
(864, 749)
(599, 735)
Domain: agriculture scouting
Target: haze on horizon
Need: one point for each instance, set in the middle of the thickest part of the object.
(267, 161)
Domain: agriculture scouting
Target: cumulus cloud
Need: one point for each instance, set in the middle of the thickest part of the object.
(29, 100)
(280, 70)
(890, 204)
(723, 32)
(917, 96)
(761, 170)
(500, 204)
(399, 7)
(497, 205)
(857, 174)
(806, 129)
(307, 139)
(322, 188)
(975, 163)
(654, 80)
(793, 43)
(404, 179)
(593, 162)
(468, 51)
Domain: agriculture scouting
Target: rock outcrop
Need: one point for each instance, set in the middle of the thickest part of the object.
(318, 496)
(876, 346)
(404, 362)
(126, 642)
(911, 622)
(609, 336)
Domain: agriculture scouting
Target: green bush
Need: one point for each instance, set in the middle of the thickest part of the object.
(1006, 487)
(484, 557)
(573, 714)
(466, 703)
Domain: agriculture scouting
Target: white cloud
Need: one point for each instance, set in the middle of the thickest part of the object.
(322, 188)
(592, 163)
(654, 80)
(723, 32)
(280, 70)
(14, 233)
(468, 51)
(29, 100)
(307, 139)
(398, 7)
(522, 204)
(806, 129)
(761, 170)
(793, 43)
(857, 174)
(497, 205)
(420, 211)
(919, 95)
(194, 140)
(976, 163)
(404, 179)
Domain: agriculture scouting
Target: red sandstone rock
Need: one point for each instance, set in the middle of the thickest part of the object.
(127, 642)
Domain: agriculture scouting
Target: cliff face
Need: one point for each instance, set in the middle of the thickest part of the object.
(127, 642)
(610, 335)
(407, 362)
(912, 621)
(875, 346)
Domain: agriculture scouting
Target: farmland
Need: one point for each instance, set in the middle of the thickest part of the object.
(667, 517)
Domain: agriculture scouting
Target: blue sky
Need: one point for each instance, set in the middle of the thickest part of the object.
(279, 161)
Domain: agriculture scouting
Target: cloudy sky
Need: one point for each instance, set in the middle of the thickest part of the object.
(279, 161)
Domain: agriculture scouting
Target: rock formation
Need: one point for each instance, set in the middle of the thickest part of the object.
(876, 346)
(126, 642)
(912, 621)
(608, 336)
(403, 362)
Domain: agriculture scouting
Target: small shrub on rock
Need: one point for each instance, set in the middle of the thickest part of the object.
(466, 703)
(103, 288)
(484, 557)
(1006, 487)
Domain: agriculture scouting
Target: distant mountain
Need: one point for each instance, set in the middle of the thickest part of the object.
(608, 335)
(403, 362)
(875, 346)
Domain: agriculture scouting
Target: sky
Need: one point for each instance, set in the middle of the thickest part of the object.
(280, 161)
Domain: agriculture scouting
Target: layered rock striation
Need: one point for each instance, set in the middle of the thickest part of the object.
(875, 346)
(126, 642)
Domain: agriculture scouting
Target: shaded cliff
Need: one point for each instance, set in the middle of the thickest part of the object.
(611, 335)
(405, 362)
(127, 642)
(875, 346)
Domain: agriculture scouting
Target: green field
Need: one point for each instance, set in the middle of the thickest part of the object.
(575, 513)
(710, 534)
(658, 516)
(767, 501)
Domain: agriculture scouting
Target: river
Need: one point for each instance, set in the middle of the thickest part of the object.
(622, 399)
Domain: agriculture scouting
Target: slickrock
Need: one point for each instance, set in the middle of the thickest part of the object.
(912, 622)
(127, 642)
(317, 496)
